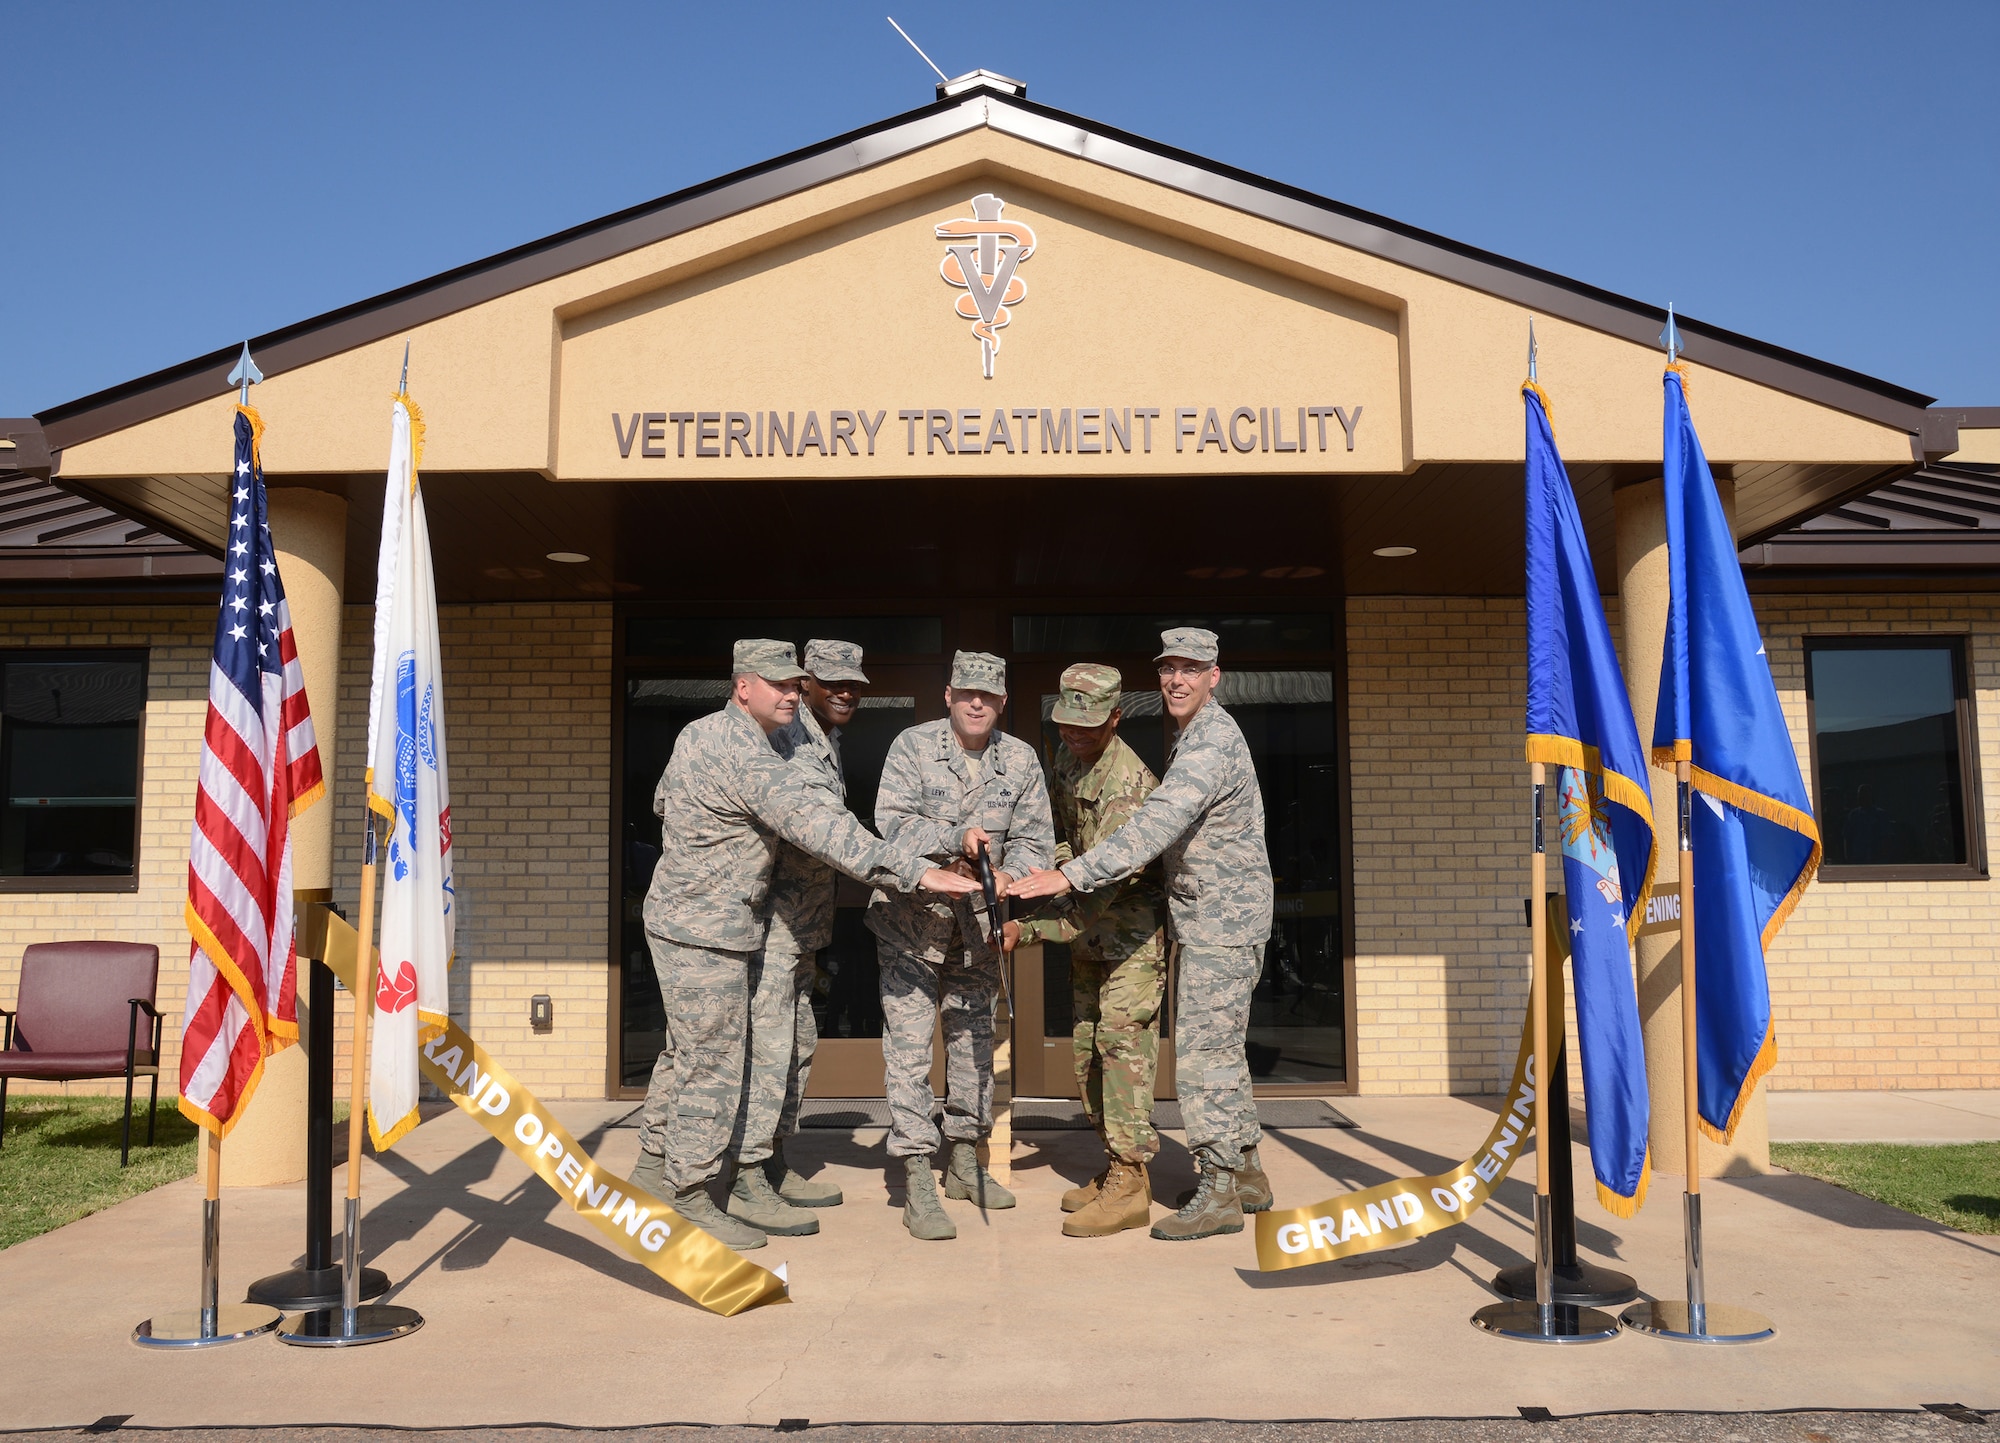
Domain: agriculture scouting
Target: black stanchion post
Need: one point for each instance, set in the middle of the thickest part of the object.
(1582, 1283)
(317, 1284)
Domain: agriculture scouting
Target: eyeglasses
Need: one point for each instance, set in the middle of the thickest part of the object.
(1185, 673)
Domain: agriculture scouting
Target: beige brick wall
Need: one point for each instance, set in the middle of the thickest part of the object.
(178, 640)
(1874, 985)
(1435, 689)
(528, 717)
(1891, 984)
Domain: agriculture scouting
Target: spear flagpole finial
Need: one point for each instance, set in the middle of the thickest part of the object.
(245, 376)
(1531, 350)
(403, 386)
(1671, 336)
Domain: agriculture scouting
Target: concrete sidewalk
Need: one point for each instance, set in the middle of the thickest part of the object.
(1962, 1116)
(532, 1320)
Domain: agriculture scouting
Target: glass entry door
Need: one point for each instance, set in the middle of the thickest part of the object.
(846, 998)
(1044, 1052)
(1298, 1017)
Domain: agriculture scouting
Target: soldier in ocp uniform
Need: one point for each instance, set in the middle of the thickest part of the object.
(1118, 952)
(1206, 819)
(783, 1036)
(947, 786)
(726, 802)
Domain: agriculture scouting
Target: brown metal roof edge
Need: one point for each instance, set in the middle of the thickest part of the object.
(29, 455)
(594, 241)
(133, 514)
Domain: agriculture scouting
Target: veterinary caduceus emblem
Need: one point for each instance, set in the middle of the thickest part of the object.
(980, 258)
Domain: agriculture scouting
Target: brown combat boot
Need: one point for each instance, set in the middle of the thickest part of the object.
(1124, 1201)
(1212, 1210)
(1253, 1189)
(1079, 1198)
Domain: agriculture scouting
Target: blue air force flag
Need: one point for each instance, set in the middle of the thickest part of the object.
(408, 789)
(1580, 718)
(1756, 846)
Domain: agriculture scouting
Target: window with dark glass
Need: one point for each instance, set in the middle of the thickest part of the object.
(1892, 748)
(69, 757)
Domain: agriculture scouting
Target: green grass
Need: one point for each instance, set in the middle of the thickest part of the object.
(59, 1159)
(1957, 1184)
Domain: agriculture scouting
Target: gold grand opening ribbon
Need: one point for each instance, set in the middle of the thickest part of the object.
(1393, 1213)
(630, 1219)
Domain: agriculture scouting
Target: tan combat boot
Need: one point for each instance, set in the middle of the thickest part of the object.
(1124, 1202)
(1079, 1198)
(1253, 1189)
(1211, 1211)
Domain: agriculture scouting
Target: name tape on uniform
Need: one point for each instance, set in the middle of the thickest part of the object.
(630, 1219)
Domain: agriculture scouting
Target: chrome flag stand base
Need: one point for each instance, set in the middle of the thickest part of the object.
(208, 1325)
(340, 1328)
(1549, 1322)
(1696, 1320)
(200, 1328)
(1717, 1323)
(1558, 1323)
(354, 1323)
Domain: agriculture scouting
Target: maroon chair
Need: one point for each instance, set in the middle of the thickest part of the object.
(77, 1018)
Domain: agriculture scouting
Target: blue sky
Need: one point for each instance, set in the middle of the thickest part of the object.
(1822, 176)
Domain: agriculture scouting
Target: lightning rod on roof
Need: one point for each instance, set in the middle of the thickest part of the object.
(916, 47)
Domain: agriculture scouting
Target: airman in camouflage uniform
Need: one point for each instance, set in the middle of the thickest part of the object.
(783, 1034)
(1206, 820)
(939, 797)
(726, 802)
(1118, 953)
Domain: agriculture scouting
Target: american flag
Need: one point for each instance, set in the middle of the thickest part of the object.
(259, 769)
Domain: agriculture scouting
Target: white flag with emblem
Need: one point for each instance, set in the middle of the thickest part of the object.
(407, 790)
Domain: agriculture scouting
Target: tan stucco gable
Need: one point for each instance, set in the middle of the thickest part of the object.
(1141, 294)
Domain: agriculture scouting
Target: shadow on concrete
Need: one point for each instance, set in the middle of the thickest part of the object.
(1835, 1204)
(1482, 1256)
(521, 1216)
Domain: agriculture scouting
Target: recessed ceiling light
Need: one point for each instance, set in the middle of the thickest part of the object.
(1395, 551)
(568, 558)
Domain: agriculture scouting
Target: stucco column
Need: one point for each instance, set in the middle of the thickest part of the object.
(1642, 595)
(268, 1144)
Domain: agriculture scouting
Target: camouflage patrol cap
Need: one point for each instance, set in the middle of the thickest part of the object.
(772, 660)
(978, 671)
(1088, 695)
(1188, 641)
(834, 661)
